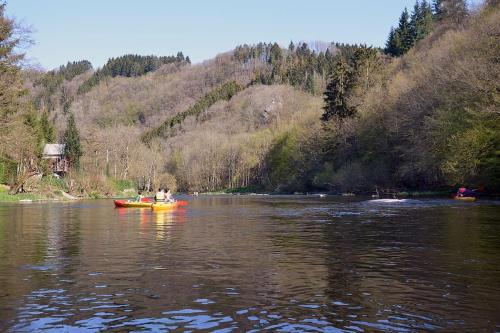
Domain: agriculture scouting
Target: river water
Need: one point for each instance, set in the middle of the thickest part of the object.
(242, 263)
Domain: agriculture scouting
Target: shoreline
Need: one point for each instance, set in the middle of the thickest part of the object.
(61, 196)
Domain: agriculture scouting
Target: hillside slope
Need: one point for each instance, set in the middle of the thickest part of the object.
(432, 122)
(254, 117)
(222, 147)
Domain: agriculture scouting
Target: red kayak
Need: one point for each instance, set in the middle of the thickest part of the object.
(144, 203)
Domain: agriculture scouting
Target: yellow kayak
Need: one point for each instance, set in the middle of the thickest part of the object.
(167, 205)
(470, 199)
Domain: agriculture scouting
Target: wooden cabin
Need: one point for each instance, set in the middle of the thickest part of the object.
(54, 154)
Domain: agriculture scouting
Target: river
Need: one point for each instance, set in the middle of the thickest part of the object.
(251, 263)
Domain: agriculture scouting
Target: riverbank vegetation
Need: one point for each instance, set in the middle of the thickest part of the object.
(420, 114)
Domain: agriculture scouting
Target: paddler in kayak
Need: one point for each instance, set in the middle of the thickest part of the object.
(139, 196)
(464, 192)
(160, 195)
(169, 197)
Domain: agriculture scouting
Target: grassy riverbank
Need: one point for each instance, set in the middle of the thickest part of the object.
(6, 197)
(45, 191)
(51, 188)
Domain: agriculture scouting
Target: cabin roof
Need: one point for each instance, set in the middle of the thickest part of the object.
(53, 149)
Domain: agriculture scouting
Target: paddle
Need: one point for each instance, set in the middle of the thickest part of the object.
(182, 203)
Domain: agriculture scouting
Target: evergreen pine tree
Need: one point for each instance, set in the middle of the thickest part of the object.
(46, 128)
(73, 149)
(421, 21)
(389, 45)
(321, 65)
(394, 46)
(275, 55)
(437, 8)
(412, 29)
(426, 21)
(415, 21)
(336, 94)
(404, 32)
(310, 83)
(365, 61)
(328, 54)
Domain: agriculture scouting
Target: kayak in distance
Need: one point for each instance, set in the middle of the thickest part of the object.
(470, 199)
(465, 194)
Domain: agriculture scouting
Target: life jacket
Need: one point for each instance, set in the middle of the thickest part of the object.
(160, 196)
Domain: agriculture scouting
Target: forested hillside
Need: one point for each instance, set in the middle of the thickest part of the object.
(431, 119)
(420, 114)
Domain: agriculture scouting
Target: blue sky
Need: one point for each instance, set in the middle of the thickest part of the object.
(67, 30)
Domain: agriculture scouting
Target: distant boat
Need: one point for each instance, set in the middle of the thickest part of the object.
(391, 200)
(469, 199)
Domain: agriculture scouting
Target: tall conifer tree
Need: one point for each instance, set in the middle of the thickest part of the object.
(389, 45)
(336, 94)
(73, 149)
(48, 132)
(415, 21)
(11, 87)
(393, 45)
(405, 32)
(426, 21)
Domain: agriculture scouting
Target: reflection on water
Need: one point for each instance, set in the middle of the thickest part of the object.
(223, 264)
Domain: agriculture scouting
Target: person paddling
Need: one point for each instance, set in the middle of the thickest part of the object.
(169, 197)
(160, 195)
(465, 192)
(139, 196)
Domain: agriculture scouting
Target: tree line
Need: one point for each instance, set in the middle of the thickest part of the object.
(130, 65)
(223, 92)
(298, 65)
(417, 25)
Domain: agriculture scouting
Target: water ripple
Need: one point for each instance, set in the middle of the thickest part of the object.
(284, 264)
